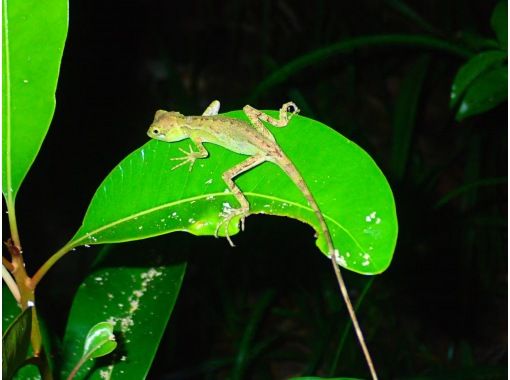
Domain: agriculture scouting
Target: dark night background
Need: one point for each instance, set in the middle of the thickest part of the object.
(438, 312)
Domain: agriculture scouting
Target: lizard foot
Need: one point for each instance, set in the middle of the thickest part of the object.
(291, 108)
(189, 157)
(228, 216)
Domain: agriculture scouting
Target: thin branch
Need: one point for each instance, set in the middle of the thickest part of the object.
(41, 272)
(7, 264)
(11, 284)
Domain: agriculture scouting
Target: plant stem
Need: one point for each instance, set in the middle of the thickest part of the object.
(78, 365)
(7, 264)
(19, 273)
(50, 262)
(11, 284)
(12, 223)
(26, 291)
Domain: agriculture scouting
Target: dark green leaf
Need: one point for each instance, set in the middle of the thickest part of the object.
(499, 23)
(33, 41)
(10, 310)
(472, 69)
(404, 118)
(135, 290)
(486, 92)
(347, 46)
(469, 187)
(15, 342)
(142, 197)
(323, 378)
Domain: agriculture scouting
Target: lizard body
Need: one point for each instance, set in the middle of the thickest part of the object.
(257, 142)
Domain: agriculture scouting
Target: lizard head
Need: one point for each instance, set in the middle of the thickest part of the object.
(167, 126)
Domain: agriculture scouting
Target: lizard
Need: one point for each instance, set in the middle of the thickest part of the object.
(256, 141)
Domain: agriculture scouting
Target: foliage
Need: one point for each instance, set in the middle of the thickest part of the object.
(381, 74)
(482, 82)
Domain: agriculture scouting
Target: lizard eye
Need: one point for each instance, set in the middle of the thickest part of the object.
(291, 108)
(155, 131)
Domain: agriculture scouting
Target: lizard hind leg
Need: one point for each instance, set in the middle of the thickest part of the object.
(212, 109)
(230, 213)
(288, 110)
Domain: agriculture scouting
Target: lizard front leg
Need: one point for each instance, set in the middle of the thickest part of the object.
(191, 156)
(244, 210)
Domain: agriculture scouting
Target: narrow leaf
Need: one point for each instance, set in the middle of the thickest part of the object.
(11, 310)
(499, 23)
(323, 378)
(142, 197)
(33, 40)
(15, 342)
(472, 69)
(404, 118)
(347, 46)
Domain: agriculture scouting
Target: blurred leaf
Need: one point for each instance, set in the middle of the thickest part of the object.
(33, 41)
(343, 47)
(404, 115)
(142, 197)
(15, 342)
(246, 345)
(412, 15)
(499, 23)
(477, 42)
(472, 69)
(323, 378)
(134, 290)
(486, 92)
(469, 187)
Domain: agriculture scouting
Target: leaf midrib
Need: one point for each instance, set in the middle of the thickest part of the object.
(7, 78)
(87, 235)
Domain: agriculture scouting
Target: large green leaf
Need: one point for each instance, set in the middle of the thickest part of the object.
(135, 290)
(33, 41)
(499, 23)
(142, 197)
(15, 342)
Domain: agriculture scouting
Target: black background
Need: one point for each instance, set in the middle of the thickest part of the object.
(441, 308)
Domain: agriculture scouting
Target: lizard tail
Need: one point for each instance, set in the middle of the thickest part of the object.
(298, 180)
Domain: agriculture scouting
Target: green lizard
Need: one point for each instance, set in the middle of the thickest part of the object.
(257, 142)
